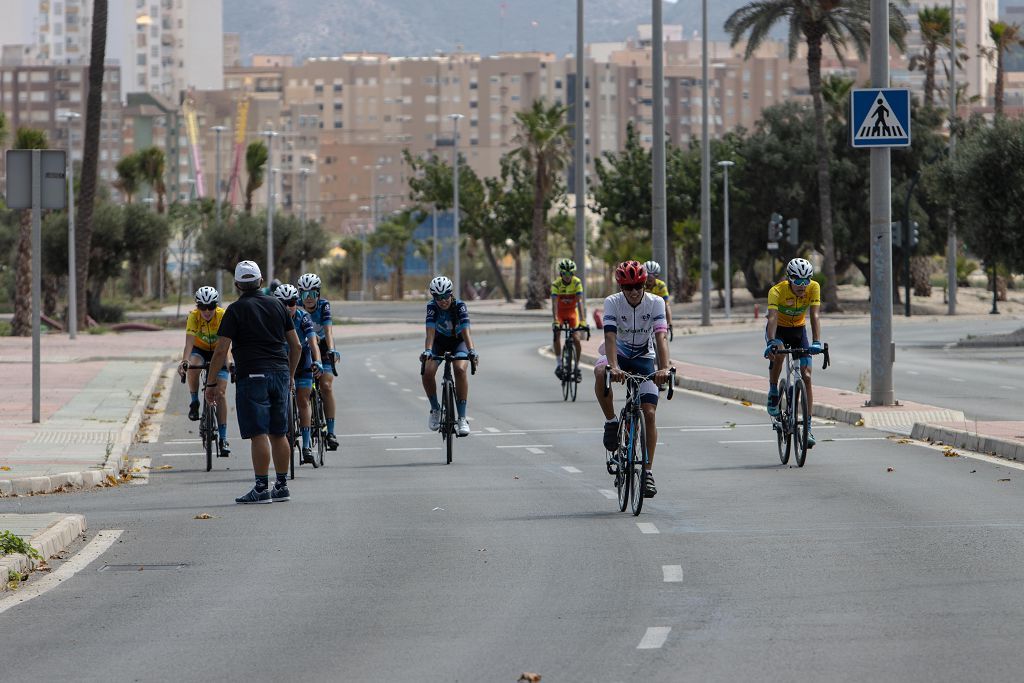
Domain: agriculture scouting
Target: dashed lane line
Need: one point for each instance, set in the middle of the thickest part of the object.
(672, 573)
(654, 638)
(492, 430)
(416, 448)
(608, 493)
(572, 470)
(535, 451)
(647, 528)
(527, 445)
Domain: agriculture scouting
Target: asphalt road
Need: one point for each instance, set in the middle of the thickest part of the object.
(985, 383)
(388, 565)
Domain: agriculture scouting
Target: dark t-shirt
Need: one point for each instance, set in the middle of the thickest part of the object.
(257, 324)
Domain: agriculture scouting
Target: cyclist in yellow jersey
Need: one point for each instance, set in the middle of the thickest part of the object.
(200, 338)
(658, 288)
(566, 306)
(790, 303)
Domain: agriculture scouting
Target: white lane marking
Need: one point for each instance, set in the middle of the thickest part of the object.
(422, 398)
(608, 493)
(492, 430)
(398, 436)
(418, 448)
(382, 376)
(956, 379)
(913, 372)
(838, 438)
(406, 390)
(502, 434)
(394, 384)
(572, 470)
(172, 441)
(179, 455)
(672, 573)
(1006, 386)
(36, 587)
(647, 528)
(536, 451)
(654, 638)
(528, 445)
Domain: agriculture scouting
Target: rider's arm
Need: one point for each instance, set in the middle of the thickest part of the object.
(773, 323)
(189, 343)
(579, 307)
(668, 312)
(468, 338)
(815, 324)
(661, 342)
(294, 350)
(314, 348)
(429, 342)
(610, 350)
(554, 307)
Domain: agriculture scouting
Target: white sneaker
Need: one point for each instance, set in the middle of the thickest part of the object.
(462, 427)
(434, 421)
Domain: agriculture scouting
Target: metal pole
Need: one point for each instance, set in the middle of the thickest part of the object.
(705, 181)
(37, 268)
(881, 225)
(362, 294)
(220, 271)
(72, 266)
(726, 277)
(372, 226)
(303, 173)
(580, 153)
(951, 250)
(455, 202)
(433, 243)
(659, 242)
(270, 227)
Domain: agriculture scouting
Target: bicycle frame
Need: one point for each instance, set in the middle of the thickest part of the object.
(793, 400)
(448, 394)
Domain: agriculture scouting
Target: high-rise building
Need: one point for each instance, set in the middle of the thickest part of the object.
(63, 31)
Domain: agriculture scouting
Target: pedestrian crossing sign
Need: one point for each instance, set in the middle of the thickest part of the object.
(880, 117)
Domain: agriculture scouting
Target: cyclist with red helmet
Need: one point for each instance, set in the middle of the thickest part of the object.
(634, 327)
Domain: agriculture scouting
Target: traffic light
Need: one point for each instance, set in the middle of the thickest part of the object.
(897, 234)
(914, 235)
(793, 231)
(775, 228)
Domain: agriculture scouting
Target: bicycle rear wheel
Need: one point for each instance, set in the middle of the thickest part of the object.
(574, 364)
(801, 423)
(319, 427)
(624, 478)
(780, 424)
(294, 433)
(636, 471)
(567, 377)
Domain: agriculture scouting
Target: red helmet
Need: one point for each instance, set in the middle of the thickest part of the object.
(630, 273)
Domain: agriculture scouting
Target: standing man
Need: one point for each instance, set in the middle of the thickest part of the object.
(259, 331)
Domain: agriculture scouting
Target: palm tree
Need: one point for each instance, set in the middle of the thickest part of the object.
(21, 324)
(90, 153)
(129, 176)
(936, 30)
(394, 237)
(255, 165)
(544, 145)
(151, 164)
(835, 91)
(818, 21)
(1004, 37)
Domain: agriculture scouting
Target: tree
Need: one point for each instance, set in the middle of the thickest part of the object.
(1004, 37)
(255, 166)
(510, 211)
(544, 145)
(817, 21)
(129, 176)
(152, 163)
(935, 29)
(394, 236)
(145, 235)
(21, 324)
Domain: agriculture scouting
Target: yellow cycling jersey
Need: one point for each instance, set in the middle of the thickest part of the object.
(792, 308)
(566, 293)
(659, 288)
(205, 333)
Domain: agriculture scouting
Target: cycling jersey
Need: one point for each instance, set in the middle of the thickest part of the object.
(450, 322)
(792, 308)
(304, 328)
(321, 317)
(566, 293)
(659, 288)
(205, 333)
(634, 327)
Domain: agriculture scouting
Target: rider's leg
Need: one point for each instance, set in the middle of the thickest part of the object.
(222, 408)
(605, 401)
(652, 431)
(461, 386)
(578, 344)
(327, 391)
(775, 371)
(430, 383)
(305, 413)
(556, 346)
(805, 372)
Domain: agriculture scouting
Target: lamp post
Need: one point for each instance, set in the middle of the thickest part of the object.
(727, 275)
(373, 219)
(659, 216)
(68, 117)
(455, 199)
(951, 238)
(270, 135)
(705, 179)
(218, 130)
(580, 153)
(303, 175)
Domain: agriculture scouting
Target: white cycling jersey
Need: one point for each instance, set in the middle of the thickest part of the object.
(634, 327)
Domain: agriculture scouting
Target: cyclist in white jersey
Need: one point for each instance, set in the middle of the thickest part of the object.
(634, 324)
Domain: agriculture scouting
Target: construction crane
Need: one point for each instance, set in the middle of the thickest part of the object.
(241, 121)
(188, 108)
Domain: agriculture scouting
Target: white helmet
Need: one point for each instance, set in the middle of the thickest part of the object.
(286, 293)
(207, 296)
(441, 287)
(653, 268)
(799, 268)
(308, 282)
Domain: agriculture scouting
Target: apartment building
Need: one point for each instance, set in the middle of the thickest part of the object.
(64, 31)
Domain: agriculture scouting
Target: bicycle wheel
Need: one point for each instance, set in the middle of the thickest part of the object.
(294, 434)
(624, 478)
(637, 472)
(208, 429)
(318, 427)
(801, 423)
(566, 370)
(575, 365)
(448, 419)
(780, 424)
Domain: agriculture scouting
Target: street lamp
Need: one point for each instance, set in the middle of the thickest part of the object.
(705, 178)
(270, 135)
(455, 199)
(68, 117)
(303, 174)
(373, 218)
(220, 271)
(362, 290)
(727, 277)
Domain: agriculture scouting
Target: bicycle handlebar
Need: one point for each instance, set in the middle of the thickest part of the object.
(805, 353)
(564, 327)
(447, 357)
(642, 378)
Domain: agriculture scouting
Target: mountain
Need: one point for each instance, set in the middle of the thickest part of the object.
(410, 28)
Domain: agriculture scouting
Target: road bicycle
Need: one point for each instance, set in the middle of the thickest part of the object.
(449, 414)
(208, 432)
(570, 377)
(628, 463)
(793, 422)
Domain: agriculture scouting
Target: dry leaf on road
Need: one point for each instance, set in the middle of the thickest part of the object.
(950, 453)
(746, 403)
(890, 469)
(528, 677)
(166, 467)
(203, 515)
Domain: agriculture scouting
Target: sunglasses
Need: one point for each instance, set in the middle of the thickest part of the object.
(310, 294)
(207, 307)
(632, 288)
(801, 281)
(291, 302)
(441, 298)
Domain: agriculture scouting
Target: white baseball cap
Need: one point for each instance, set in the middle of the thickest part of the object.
(247, 271)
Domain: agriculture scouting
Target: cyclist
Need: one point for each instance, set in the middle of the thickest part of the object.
(272, 287)
(200, 338)
(447, 332)
(788, 303)
(634, 325)
(658, 288)
(566, 306)
(309, 362)
(319, 311)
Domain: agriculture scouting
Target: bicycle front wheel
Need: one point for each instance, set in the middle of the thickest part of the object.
(319, 425)
(294, 434)
(448, 420)
(575, 365)
(567, 377)
(624, 478)
(781, 424)
(801, 423)
(637, 472)
(207, 429)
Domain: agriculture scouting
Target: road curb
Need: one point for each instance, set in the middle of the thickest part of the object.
(49, 541)
(969, 441)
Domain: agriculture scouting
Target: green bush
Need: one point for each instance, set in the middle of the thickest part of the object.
(964, 268)
(108, 313)
(9, 543)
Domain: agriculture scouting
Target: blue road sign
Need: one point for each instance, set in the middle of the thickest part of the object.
(880, 117)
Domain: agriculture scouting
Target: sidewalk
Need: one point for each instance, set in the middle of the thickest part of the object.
(48, 533)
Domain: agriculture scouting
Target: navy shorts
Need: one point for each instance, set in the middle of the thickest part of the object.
(206, 356)
(261, 403)
(792, 338)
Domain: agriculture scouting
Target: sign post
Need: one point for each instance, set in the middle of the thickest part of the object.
(35, 180)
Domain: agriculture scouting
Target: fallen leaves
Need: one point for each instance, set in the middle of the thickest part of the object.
(1007, 479)
(166, 467)
(528, 677)
(859, 423)
(890, 469)
(904, 441)
(5, 468)
(203, 515)
(949, 452)
(745, 403)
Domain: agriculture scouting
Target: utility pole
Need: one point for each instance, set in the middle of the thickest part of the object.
(68, 117)
(659, 231)
(726, 277)
(705, 181)
(270, 135)
(580, 161)
(455, 200)
(220, 271)
(303, 177)
(951, 239)
(881, 225)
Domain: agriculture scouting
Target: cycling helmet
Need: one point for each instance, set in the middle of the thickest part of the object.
(653, 268)
(440, 287)
(799, 268)
(274, 284)
(308, 281)
(566, 266)
(630, 273)
(286, 293)
(207, 296)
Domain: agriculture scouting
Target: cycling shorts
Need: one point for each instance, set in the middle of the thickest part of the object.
(572, 317)
(326, 357)
(206, 356)
(637, 366)
(444, 344)
(304, 378)
(792, 338)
